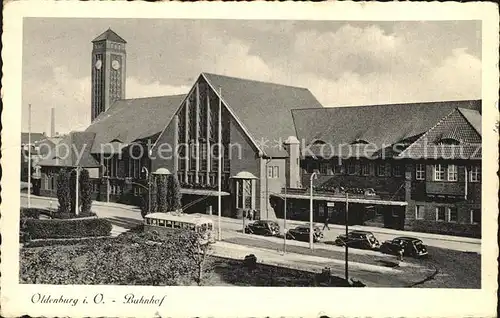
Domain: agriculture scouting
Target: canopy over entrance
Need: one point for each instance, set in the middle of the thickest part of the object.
(341, 199)
(203, 192)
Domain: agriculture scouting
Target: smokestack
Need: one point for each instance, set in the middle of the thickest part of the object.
(52, 122)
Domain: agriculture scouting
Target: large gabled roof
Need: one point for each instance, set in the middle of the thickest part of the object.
(73, 150)
(130, 120)
(263, 108)
(35, 137)
(452, 137)
(109, 35)
(473, 117)
(377, 125)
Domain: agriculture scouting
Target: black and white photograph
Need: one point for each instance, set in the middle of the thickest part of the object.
(248, 152)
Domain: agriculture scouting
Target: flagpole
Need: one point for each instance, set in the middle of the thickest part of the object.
(219, 181)
(29, 156)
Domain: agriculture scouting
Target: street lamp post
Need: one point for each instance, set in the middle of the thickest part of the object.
(145, 170)
(77, 169)
(314, 175)
(219, 168)
(29, 155)
(346, 232)
(284, 222)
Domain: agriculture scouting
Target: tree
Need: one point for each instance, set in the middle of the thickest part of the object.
(72, 191)
(85, 191)
(198, 250)
(63, 195)
(174, 193)
(162, 193)
(154, 194)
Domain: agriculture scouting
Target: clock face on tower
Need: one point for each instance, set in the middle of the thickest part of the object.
(115, 64)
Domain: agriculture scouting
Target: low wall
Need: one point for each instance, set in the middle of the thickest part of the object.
(447, 228)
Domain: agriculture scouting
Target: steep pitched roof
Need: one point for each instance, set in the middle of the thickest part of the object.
(263, 108)
(35, 137)
(73, 150)
(379, 125)
(435, 143)
(130, 120)
(109, 35)
(473, 117)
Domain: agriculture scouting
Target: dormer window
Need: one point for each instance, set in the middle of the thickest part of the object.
(448, 141)
(359, 141)
(318, 142)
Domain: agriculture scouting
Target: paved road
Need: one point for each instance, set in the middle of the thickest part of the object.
(459, 263)
(124, 217)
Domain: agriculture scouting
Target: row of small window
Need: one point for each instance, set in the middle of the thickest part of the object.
(443, 172)
(115, 189)
(202, 178)
(273, 172)
(450, 214)
(179, 225)
(365, 169)
(114, 165)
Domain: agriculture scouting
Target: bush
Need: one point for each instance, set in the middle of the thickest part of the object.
(174, 195)
(86, 191)
(70, 215)
(63, 195)
(34, 213)
(65, 242)
(72, 192)
(162, 194)
(72, 228)
(131, 260)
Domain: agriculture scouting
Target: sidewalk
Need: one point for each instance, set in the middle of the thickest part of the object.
(293, 223)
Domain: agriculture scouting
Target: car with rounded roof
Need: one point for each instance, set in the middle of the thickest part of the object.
(358, 239)
(301, 233)
(410, 246)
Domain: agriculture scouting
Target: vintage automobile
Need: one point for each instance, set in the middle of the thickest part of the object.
(410, 246)
(263, 227)
(301, 233)
(358, 239)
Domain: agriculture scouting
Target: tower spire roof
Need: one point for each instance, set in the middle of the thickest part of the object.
(109, 35)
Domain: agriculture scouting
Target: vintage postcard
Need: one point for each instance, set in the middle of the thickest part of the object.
(185, 159)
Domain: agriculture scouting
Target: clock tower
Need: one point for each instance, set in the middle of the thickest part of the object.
(108, 71)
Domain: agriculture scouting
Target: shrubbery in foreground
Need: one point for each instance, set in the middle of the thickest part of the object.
(128, 260)
(43, 229)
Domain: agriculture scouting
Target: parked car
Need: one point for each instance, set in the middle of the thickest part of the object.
(358, 239)
(411, 246)
(263, 227)
(301, 233)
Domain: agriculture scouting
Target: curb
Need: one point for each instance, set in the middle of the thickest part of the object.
(440, 237)
(295, 222)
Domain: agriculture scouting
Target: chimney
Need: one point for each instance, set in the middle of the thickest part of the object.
(292, 168)
(52, 122)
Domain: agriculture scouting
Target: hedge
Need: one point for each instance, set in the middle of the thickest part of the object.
(65, 242)
(125, 261)
(71, 228)
(72, 215)
(34, 213)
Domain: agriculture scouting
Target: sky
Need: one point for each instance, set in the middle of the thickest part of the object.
(341, 62)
